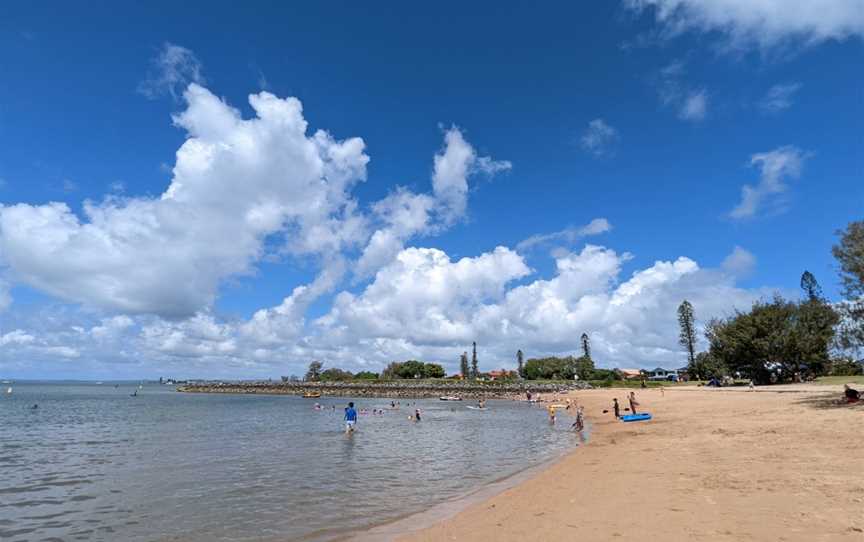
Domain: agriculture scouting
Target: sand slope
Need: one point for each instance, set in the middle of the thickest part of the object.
(712, 465)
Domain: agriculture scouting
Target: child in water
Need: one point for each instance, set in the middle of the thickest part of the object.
(416, 414)
(579, 424)
(551, 410)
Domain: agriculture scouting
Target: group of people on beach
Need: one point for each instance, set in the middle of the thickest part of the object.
(616, 408)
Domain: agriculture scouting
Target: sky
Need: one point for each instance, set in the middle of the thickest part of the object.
(217, 191)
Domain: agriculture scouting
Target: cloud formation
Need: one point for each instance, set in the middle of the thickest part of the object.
(779, 98)
(761, 23)
(775, 168)
(423, 305)
(739, 263)
(599, 139)
(689, 103)
(236, 181)
(567, 235)
(404, 214)
(171, 71)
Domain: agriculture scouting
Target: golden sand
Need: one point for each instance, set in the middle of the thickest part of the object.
(780, 464)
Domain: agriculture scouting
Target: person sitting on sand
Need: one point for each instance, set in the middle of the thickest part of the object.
(851, 394)
(616, 408)
(350, 418)
(633, 402)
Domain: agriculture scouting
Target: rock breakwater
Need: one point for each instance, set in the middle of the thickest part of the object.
(395, 389)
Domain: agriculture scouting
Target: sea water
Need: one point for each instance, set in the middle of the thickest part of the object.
(92, 462)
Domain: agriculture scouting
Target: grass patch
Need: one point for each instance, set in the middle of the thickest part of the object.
(840, 380)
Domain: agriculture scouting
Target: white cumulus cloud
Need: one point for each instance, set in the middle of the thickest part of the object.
(404, 214)
(740, 262)
(235, 182)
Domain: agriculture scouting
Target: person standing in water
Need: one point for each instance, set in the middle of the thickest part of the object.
(416, 414)
(633, 403)
(350, 418)
(579, 424)
(616, 408)
(551, 410)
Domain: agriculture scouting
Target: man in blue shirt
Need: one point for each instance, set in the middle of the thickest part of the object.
(350, 418)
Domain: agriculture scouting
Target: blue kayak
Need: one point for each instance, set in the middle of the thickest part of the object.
(636, 417)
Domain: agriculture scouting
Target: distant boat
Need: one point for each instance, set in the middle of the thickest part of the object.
(9, 390)
(450, 398)
(312, 395)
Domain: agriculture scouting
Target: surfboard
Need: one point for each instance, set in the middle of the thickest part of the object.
(636, 417)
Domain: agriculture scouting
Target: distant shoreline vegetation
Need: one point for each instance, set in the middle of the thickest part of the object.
(549, 368)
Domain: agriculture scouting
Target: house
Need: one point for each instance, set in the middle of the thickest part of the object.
(630, 374)
(659, 373)
(501, 374)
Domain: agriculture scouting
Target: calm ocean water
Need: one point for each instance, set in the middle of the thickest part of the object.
(93, 463)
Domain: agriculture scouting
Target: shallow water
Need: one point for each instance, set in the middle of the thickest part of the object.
(93, 463)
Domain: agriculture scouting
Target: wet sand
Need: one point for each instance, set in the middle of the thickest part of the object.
(784, 464)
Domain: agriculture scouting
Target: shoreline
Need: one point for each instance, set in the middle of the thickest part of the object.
(724, 464)
(390, 530)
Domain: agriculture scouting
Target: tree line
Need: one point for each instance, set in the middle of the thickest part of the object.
(783, 340)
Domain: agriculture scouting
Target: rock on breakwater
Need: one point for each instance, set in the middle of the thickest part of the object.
(396, 388)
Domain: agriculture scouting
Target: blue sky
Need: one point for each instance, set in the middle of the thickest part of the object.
(648, 117)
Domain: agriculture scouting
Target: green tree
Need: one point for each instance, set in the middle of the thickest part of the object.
(705, 367)
(411, 369)
(433, 370)
(520, 364)
(775, 340)
(475, 371)
(849, 252)
(687, 332)
(463, 365)
(391, 371)
(335, 375)
(586, 346)
(846, 366)
(313, 374)
(584, 366)
(552, 368)
(810, 286)
(366, 375)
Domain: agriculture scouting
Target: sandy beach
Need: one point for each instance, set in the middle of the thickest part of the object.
(784, 463)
